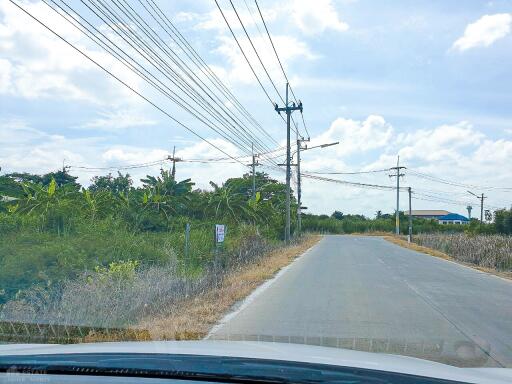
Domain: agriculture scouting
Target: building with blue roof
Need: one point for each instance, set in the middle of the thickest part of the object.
(453, 218)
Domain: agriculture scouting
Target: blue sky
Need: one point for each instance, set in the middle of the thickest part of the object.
(429, 80)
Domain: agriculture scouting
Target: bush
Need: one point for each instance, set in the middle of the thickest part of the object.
(123, 293)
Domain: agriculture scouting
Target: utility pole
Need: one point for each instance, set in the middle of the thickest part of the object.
(288, 108)
(173, 171)
(409, 238)
(253, 165)
(299, 180)
(174, 160)
(469, 208)
(482, 208)
(398, 175)
(481, 198)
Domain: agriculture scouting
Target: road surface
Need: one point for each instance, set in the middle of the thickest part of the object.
(368, 294)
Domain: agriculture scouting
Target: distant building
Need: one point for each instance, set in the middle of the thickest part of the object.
(427, 213)
(453, 218)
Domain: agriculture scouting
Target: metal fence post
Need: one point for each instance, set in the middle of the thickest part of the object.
(187, 245)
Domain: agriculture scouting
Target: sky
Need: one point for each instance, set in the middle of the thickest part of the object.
(428, 81)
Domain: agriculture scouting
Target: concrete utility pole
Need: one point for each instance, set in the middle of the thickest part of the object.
(299, 180)
(299, 177)
(173, 171)
(174, 160)
(397, 175)
(409, 238)
(253, 165)
(481, 198)
(288, 109)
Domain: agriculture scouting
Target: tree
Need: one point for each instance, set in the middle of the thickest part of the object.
(10, 187)
(224, 201)
(61, 177)
(119, 184)
(166, 185)
(337, 215)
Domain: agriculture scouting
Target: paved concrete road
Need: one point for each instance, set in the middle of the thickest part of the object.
(368, 294)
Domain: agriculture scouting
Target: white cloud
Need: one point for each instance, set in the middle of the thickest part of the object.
(457, 152)
(494, 152)
(201, 173)
(27, 149)
(116, 120)
(356, 136)
(5, 75)
(36, 64)
(289, 49)
(440, 143)
(315, 17)
(484, 31)
(310, 17)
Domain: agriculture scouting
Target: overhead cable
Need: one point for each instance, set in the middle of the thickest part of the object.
(118, 79)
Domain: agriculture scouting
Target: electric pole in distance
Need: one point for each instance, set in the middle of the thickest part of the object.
(174, 160)
(253, 167)
(481, 198)
(398, 175)
(173, 171)
(409, 238)
(288, 108)
(300, 140)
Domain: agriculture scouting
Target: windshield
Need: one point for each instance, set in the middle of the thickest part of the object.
(327, 173)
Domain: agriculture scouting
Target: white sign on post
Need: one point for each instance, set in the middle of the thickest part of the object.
(220, 231)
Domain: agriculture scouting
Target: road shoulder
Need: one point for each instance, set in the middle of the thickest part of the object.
(441, 255)
(194, 318)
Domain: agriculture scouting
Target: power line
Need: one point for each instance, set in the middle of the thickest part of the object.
(245, 56)
(203, 67)
(121, 167)
(279, 61)
(119, 80)
(258, 56)
(148, 31)
(351, 183)
(439, 199)
(148, 53)
(243, 53)
(453, 183)
(349, 173)
(256, 51)
(96, 38)
(139, 70)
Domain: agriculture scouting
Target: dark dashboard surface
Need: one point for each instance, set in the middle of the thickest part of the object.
(192, 368)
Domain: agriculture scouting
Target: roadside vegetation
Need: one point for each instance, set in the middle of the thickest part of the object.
(488, 251)
(113, 254)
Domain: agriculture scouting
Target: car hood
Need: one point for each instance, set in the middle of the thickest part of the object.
(278, 351)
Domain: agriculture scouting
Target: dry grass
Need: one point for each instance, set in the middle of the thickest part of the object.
(192, 319)
(432, 252)
(372, 233)
(419, 248)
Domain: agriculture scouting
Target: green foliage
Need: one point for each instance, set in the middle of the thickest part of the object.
(116, 185)
(340, 223)
(503, 221)
(55, 230)
(117, 270)
(52, 230)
